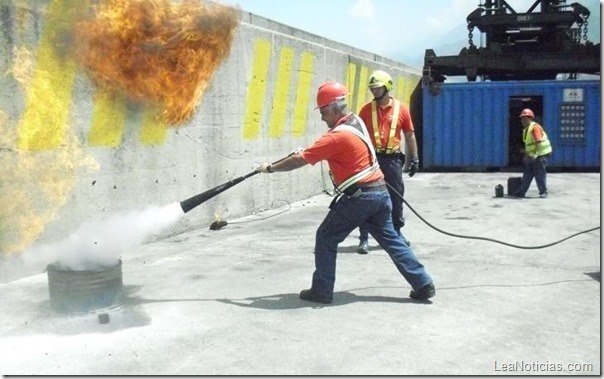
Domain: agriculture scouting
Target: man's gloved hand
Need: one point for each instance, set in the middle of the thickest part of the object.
(414, 167)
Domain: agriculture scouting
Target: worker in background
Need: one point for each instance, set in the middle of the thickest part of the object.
(537, 150)
(388, 120)
(363, 198)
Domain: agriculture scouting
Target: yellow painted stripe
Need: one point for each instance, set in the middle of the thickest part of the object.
(307, 63)
(407, 91)
(280, 100)
(409, 83)
(108, 119)
(351, 73)
(44, 121)
(400, 88)
(362, 88)
(153, 130)
(257, 89)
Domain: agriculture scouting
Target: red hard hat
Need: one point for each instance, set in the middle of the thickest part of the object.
(330, 92)
(527, 113)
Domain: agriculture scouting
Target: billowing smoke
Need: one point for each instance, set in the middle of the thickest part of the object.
(98, 242)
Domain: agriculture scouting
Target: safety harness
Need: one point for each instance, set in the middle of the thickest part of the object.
(357, 128)
(376, 127)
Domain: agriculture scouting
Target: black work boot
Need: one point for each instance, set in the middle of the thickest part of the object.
(309, 295)
(423, 293)
(363, 247)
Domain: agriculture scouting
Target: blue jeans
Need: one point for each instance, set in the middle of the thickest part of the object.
(392, 167)
(372, 210)
(534, 168)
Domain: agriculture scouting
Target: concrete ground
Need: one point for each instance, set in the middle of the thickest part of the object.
(226, 302)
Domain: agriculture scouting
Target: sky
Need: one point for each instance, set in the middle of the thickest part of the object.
(397, 29)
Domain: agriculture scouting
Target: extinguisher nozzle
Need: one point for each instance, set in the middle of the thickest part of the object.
(217, 225)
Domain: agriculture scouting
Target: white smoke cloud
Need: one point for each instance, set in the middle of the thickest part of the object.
(101, 242)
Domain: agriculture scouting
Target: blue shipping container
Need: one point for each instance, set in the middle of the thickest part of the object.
(476, 124)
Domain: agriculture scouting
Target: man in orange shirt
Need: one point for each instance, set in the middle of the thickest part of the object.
(364, 199)
(387, 120)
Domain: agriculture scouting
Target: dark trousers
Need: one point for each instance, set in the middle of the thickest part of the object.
(534, 168)
(392, 167)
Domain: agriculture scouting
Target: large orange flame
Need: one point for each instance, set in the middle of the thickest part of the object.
(155, 51)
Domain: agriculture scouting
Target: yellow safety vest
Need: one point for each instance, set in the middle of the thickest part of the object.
(530, 147)
(376, 128)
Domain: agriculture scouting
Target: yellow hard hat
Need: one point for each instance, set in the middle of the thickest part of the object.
(380, 78)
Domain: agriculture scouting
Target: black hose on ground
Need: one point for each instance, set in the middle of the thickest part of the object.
(485, 238)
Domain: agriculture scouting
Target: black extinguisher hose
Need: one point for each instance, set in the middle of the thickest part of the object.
(485, 238)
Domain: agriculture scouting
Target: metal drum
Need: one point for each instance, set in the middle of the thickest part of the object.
(81, 291)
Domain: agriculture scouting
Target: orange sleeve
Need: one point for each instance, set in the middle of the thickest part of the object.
(537, 133)
(404, 119)
(345, 153)
(365, 115)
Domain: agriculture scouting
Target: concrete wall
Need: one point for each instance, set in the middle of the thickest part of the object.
(92, 156)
